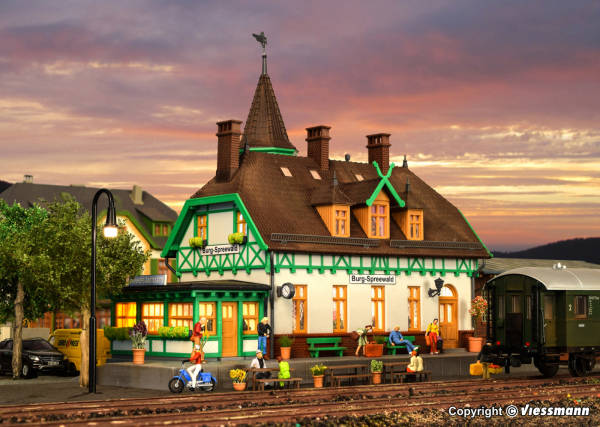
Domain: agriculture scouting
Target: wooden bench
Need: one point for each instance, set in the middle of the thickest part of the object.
(391, 349)
(337, 379)
(404, 374)
(292, 381)
(314, 351)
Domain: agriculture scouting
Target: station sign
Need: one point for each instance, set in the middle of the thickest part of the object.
(150, 280)
(220, 250)
(373, 279)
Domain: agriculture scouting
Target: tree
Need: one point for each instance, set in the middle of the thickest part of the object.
(25, 268)
(117, 259)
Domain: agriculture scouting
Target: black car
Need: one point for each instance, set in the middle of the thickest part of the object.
(38, 356)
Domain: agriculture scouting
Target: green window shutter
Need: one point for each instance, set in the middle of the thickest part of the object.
(154, 266)
(174, 278)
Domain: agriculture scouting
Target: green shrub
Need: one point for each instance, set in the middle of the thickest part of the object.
(285, 341)
(236, 238)
(174, 332)
(119, 334)
(376, 366)
(379, 339)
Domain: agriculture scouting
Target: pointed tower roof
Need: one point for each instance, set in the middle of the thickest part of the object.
(264, 128)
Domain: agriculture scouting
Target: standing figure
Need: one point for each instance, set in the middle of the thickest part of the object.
(486, 358)
(198, 333)
(264, 329)
(433, 330)
(196, 366)
(284, 370)
(396, 338)
(362, 339)
(259, 363)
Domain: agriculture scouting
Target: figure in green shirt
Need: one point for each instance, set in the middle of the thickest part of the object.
(284, 370)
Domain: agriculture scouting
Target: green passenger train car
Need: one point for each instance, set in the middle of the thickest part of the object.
(535, 315)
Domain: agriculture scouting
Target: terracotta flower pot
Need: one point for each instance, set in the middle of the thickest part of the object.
(318, 381)
(138, 356)
(239, 386)
(376, 377)
(285, 352)
(475, 344)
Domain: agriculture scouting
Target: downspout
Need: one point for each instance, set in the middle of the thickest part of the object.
(473, 276)
(272, 304)
(168, 264)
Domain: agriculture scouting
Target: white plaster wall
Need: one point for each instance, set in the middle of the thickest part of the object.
(220, 226)
(188, 234)
(359, 303)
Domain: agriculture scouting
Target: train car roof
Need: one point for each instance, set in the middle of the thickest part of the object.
(560, 279)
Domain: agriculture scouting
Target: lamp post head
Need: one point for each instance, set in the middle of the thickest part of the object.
(439, 283)
(110, 229)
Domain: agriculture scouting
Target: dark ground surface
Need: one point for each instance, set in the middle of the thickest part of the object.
(49, 388)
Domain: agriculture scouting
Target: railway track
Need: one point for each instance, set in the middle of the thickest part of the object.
(236, 408)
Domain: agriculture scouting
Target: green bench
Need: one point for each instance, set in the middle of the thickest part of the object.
(332, 343)
(391, 349)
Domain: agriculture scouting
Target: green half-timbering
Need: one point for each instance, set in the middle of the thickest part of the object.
(190, 260)
(374, 264)
(182, 347)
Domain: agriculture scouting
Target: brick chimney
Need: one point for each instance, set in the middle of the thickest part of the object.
(318, 138)
(379, 150)
(228, 151)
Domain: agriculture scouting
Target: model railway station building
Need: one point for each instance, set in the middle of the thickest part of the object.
(361, 243)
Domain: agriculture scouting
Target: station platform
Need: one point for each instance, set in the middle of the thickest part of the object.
(156, 373)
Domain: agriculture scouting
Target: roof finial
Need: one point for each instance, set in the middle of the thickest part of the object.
(405, 163)
(334, 179)
(407, 188)
(262, 39)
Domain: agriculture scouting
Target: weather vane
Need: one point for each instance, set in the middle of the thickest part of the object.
(262, 39)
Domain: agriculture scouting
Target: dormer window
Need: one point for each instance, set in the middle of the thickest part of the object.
(411, 223)
(315, 174)
(161, 230)
(285, 171)
(341, 222)
(379, 220)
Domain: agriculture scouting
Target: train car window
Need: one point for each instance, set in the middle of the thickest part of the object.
(581, 303)
(548, 307)
(515, 303)
(501, 307)
(528, 309)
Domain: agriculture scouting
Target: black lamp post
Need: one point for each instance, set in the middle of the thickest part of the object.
(439, 284)
(110, 230)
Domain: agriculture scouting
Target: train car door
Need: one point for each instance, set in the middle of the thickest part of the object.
(449, 316)
(230, 334)
(514, 319)
(548, 301)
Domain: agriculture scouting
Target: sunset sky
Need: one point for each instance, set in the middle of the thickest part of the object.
(495, 104)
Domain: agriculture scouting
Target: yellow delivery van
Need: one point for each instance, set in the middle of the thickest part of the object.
(68, 343)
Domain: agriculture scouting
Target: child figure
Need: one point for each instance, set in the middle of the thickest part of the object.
(196, 366)
(284, 370)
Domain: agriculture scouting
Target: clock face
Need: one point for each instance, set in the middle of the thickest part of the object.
(288, 291)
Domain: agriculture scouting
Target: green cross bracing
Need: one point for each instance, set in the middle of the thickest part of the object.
(190, 260)
(386, 182)
(373, 264)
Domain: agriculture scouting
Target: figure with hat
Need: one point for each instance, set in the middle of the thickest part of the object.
(264, 329)
(200, 336)
(259, 363)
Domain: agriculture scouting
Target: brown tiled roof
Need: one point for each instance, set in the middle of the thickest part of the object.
(265, 127)
(279, 204)
(330, 194)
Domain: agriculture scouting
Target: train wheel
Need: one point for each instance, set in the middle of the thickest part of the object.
(176, 385)
(547, 370)
(578, 367)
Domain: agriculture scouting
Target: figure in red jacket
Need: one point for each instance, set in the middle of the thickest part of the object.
(198, 333)
(196, 366)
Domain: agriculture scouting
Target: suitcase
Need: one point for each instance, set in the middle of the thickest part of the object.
(354, 335)
(440, 343)
(476, 369)
(427, 340)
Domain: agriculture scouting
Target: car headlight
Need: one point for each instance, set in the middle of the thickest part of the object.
(34, 358)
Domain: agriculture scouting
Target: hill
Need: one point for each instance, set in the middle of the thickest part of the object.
(587, 249)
